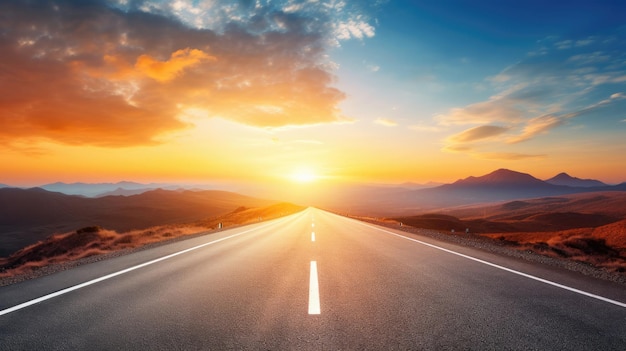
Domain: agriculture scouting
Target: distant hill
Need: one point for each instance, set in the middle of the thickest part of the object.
(588, 210)
(610, 203)
(410, 185)
(29, 215)
(567, 180)
(4, 186)
(125, 192)
(95, 189)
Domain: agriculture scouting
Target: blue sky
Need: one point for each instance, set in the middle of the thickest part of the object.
(499, 80)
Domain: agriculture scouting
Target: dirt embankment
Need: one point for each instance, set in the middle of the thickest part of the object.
(93, 243)
(592, 238)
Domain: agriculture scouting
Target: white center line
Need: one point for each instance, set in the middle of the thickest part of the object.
(312, 224)
(314, 291)
(312, 236)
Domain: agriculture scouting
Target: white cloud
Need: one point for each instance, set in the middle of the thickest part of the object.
(354, 29)
(426, 128)
(584, 42)
(537, 95)
(387, 122)
(373, 68)
(589, 58)
(565, 44)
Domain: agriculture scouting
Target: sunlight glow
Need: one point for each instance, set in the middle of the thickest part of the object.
(304, 175)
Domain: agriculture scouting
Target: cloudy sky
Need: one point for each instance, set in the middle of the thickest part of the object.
(266, 91)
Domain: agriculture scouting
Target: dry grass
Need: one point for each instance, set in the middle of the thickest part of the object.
(603, 247)
(90, 241)
(589, 228)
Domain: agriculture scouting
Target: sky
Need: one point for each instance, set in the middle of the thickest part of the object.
(277, 92)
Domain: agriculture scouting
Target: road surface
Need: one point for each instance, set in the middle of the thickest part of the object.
(312, 281)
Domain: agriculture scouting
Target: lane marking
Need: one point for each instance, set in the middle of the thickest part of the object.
(312, 224)
(115, 274)
(314, 290)
(313, 236)
(545, 281)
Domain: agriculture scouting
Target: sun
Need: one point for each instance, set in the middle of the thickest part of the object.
(303, 175)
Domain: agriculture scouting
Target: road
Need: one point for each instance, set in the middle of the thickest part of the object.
(312, 281)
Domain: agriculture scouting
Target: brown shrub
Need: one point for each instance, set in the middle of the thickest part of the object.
(124, 239)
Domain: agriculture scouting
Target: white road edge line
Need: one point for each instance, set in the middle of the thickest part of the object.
(313, 236)
(314, 290)
(581, 292)
(109, 276)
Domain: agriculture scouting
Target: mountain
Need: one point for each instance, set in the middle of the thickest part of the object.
(127, 192)
(499, 185)
(567, 180)
(415, 186)
(30, 215)
(501, 178)
(95, 189)
(4, 186)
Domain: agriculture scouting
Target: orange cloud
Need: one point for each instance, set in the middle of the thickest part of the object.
(167, 70)
(387, 122)
(125, 78)
(494, 110)
(506, 156)
(477, 133)
(536, 126)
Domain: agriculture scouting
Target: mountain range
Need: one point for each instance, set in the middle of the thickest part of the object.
(103, 189)
(499, 185)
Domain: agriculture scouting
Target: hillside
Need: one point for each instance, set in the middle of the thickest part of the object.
(609, 203)
(29, 215)
(589, 227)
(62, 249)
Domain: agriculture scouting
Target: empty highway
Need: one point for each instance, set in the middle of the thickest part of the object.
(312, 281)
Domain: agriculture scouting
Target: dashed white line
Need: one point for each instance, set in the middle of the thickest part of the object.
(314, 290)
(312, 236)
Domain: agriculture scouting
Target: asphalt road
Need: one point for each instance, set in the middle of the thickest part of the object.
(315, 281)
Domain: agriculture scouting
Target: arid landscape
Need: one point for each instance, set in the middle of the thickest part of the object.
(588, 227)
(575, 219)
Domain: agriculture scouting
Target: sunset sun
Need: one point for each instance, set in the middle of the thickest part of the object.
(303, 175)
